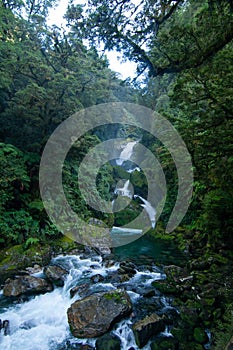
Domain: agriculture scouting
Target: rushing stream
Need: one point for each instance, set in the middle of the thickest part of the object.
(40, 323)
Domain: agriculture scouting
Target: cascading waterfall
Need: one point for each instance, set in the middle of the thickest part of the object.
(149, 209)
(126, 153)
(124, 191)
(41, 322)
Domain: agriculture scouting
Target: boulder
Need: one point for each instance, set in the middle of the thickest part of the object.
(96, 314)
(26, 285)
(56, 274)
(145, 328)
(108, 342)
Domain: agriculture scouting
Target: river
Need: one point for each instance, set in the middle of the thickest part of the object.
(40, 322)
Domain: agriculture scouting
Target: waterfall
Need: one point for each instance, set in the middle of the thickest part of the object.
(149, 209)
(124, 191)
(126, 153)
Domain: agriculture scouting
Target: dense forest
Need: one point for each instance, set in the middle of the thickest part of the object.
(184, 56)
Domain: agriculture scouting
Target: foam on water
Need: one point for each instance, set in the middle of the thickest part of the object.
(41, 323)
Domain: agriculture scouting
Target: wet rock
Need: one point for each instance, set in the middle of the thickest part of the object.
(145, 328)
(26, 285)
(127, 268)
(83, 290)
(149, 294)
(108, 342)
(33, 269)
(109, 263)
(5, 326)
(56, 274)
(97, 278)
(147, 306)
(96, 314)
(125, 278)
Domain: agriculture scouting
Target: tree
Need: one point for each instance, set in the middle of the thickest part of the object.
(161, 36)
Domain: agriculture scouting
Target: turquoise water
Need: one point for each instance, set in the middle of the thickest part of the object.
(162, 251)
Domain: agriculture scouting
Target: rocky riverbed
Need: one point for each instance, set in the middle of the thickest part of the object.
(84, 301)
(81, 299)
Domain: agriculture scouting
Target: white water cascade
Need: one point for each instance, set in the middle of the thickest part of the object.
(40, 323)
(149, 209)
(126, 153)
(124, 191)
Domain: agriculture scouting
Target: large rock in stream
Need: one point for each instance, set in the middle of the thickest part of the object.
(56, 274)
(26, 285)
(145, 328)
(96, 314)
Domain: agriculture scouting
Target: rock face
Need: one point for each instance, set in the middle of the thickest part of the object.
(94, 315)
(26, 285)
(145, 328)
(56, 274)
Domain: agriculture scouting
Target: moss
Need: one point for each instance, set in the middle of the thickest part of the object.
(164, 287)
(200, 336)
(64, 244)
(116, 295)
(16, 258)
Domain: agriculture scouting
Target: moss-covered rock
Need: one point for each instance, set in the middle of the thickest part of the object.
(16, 258)
(108, 342)
(94, 315)
(64, 244)
(165, 344)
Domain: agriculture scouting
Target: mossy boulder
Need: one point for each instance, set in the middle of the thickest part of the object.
(165, 344)
(108, 342)
(15, 259)
(165, 288)
(94, 315)
(64, 244)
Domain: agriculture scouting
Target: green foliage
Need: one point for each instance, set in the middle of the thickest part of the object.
(223, 331)
(13, 174)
